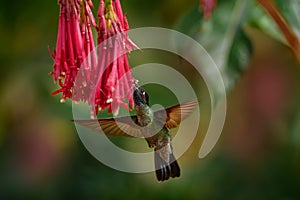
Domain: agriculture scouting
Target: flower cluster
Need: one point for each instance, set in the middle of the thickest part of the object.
(103, 77)
(74, 43)
(114, 85)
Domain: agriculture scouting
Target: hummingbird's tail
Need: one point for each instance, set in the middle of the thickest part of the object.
(165, 168)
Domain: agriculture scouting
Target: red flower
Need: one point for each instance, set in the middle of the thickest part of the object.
(207, 6)
(74, 43)
(102, 78)
(114, 83)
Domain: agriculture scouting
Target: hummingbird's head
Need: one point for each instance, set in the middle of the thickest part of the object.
(140, 97)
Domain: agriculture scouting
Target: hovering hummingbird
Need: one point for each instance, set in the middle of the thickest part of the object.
(154, 126)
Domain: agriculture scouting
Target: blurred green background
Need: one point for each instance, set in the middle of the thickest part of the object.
(42, 157)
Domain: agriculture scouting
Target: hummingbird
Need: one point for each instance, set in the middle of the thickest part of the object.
(154, 126)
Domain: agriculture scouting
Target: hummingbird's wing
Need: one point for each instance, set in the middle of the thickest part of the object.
(119, 126)
(175, 114)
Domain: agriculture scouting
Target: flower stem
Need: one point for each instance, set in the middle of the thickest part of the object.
(288, 33)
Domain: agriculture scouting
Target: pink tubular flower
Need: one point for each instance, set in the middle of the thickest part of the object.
(103, 77)
(207, 6)
(74, 43)
(114, 83)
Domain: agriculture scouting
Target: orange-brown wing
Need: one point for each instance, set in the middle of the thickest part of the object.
(175, 114)
(121, 126)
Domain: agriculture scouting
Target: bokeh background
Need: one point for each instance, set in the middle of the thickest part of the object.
(42, 157)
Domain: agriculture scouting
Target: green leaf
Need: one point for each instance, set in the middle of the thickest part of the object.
(290, 10)
(261, 20)
(222, 36)
(239, 55)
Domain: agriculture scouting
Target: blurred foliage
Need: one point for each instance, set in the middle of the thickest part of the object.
(223, 37)
(257, 157)
(290, 12)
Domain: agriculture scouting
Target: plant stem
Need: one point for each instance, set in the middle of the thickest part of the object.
(288, 33)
